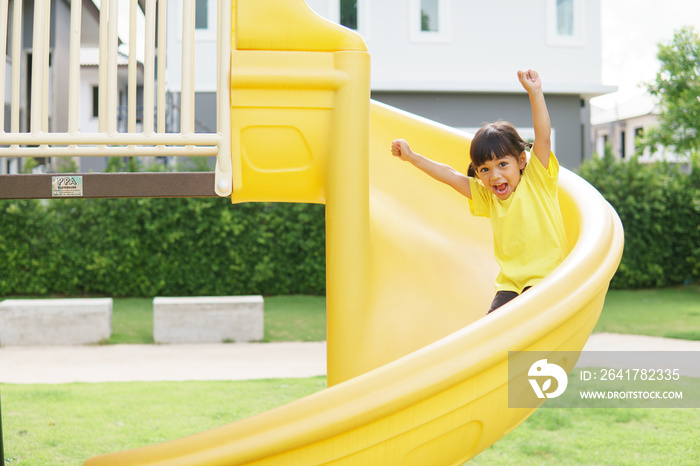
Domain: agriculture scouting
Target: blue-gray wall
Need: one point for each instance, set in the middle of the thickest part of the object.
(568, 113)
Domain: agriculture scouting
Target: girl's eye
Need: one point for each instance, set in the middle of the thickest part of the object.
(503, 164)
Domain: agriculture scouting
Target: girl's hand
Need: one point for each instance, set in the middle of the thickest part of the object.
(401, 149)
(530, 80)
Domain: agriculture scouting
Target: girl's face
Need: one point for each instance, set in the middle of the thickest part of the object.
(502, 175)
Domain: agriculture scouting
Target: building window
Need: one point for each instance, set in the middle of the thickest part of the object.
(429, 20)
(623, 145)
(565, 22)
(429, 16)
(352, 14)
(348, 13)
(201, 17)
(204, 19)
(565, 18)
(95, 101)
(638, 134)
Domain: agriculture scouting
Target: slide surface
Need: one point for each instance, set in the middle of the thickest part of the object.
(436, 389)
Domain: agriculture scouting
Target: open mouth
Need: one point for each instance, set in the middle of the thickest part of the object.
(501, 189)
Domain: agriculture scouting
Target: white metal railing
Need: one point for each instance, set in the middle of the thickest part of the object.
(152, 140)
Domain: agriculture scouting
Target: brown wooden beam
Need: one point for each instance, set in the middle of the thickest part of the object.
(107, 185)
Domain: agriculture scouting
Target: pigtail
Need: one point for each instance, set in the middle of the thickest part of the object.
(526, 146)
(471, 171)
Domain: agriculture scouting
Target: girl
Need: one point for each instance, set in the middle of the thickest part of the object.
(519, 197)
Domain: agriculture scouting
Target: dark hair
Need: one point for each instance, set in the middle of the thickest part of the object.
(494, 141)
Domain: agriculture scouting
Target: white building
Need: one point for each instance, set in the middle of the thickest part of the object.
(454, 61)
(205, 56)
(621, 125)
(631, 32)
(58, 77)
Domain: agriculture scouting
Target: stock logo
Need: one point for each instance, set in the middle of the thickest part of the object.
(542, 369)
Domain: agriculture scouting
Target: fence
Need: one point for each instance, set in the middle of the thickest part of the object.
(36, 85)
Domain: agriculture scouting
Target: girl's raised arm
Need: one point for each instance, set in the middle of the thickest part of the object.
(437, 170)
(540, 116)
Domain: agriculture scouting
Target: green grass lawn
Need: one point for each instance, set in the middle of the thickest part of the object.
(132, 320)
(600, 437)
(669, 312)
(287, 318)
(65, 424)
(295, 318)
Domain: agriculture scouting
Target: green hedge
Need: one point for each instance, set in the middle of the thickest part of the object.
(165, 247)
(660, 209)
(190, 247)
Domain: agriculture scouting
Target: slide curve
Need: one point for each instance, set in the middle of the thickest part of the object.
(439, 392)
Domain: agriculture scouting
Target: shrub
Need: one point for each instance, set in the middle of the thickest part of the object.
(660, 210)
(166, 247)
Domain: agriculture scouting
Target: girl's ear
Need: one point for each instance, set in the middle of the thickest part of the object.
(522, 160)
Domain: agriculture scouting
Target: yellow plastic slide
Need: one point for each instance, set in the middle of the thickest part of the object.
(432, 280)
(417, 373)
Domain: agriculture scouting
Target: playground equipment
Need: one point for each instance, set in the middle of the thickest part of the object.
(417, 374)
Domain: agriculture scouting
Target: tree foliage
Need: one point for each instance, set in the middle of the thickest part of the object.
(659, 206)
(677, 86)
(160, 247)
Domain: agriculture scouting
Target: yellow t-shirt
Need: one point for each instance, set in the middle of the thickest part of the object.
(528, 230)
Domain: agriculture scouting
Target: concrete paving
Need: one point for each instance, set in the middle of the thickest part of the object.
(236, 361)
(148, 363)
(620, 342)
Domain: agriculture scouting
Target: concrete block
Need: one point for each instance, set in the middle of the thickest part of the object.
(208, 319)
(55, 321)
